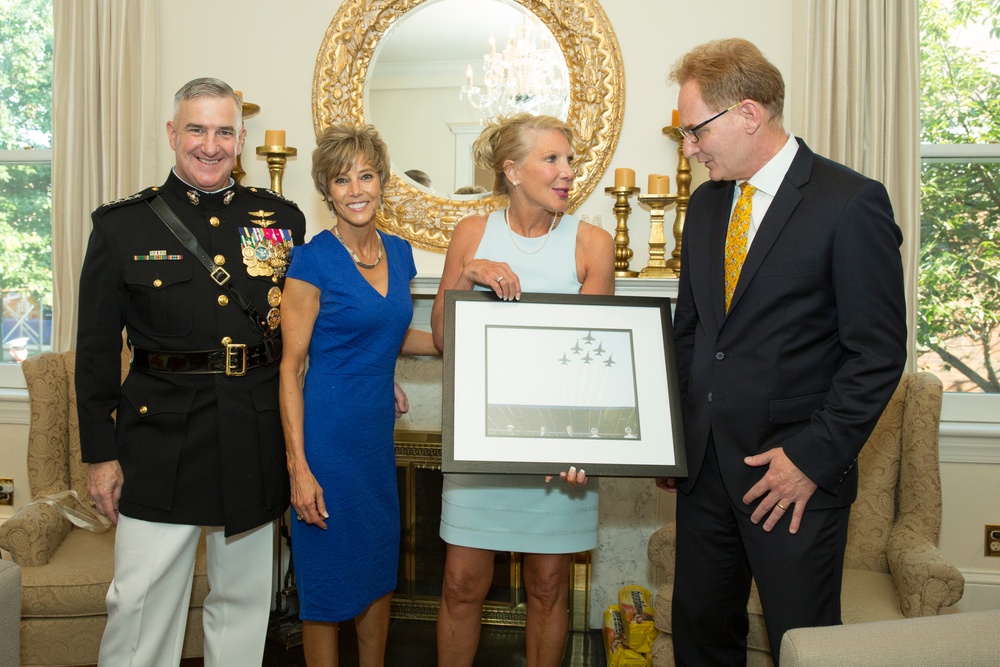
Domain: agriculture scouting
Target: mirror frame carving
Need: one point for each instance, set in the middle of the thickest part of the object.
(596, 107)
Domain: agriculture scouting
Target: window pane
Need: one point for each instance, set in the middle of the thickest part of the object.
(959, 286)
(26, 258)
(25, 74)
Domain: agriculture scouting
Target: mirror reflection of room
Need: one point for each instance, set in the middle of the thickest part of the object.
(415, 87)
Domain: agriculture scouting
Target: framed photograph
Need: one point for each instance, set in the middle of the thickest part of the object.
(553, 380)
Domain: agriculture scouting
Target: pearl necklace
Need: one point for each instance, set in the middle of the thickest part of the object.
(513, 236)
(354, 256)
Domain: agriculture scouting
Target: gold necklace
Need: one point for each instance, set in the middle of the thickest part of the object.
(513, 236)
(354, 255)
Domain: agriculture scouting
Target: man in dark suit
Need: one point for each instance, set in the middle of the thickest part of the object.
(197, 439)
(790, 339)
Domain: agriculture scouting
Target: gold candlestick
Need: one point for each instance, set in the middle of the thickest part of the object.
(277, 156)
(658, 266)
(622, 209)
(683, 195)
(249, 110)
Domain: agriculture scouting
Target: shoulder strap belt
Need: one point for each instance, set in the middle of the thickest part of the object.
(217, 273)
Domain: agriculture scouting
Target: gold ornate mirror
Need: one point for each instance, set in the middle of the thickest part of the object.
(597, 99)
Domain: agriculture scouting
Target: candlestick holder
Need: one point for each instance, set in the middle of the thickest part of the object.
(623, 254)
(683, 196)
(658, 266)
(277, 156)
(249, 111)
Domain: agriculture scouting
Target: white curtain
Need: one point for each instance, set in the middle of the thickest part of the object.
(104, 128)
(856, 79)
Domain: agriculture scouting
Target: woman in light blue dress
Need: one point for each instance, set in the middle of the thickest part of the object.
(531, 246)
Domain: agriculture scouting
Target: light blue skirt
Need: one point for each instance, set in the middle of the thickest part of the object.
(519, 513)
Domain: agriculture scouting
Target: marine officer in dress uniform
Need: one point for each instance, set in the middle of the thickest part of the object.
(197, 441)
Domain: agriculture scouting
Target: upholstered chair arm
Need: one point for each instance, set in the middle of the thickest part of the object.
(33, 534)
(662, 549)
(925, 581)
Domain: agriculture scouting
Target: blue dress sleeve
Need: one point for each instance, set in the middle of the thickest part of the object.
(304, 265)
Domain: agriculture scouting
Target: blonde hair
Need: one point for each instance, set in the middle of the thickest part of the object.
(732, 70)
(339, 147)
(508, 138)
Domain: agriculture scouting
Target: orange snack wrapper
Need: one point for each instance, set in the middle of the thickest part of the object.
(615, 649)
(636, 604)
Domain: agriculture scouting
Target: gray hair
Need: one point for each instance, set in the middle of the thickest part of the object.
(208, 87)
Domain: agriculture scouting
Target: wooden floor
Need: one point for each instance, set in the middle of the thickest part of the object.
(412, 644)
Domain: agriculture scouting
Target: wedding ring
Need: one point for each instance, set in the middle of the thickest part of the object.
(299, 517)
(499, 279)
(783, 508)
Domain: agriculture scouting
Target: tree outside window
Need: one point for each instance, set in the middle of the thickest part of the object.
(958, 334)
(25, 176)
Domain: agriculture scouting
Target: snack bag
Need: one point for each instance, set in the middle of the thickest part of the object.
(636, 604)
(617, 653)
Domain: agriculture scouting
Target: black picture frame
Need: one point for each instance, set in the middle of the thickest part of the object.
(536, 385)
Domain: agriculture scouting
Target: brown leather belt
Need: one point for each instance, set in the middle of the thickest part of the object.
(234, 359)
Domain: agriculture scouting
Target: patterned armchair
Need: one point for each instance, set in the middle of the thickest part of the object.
(893, 568)
(66, 571)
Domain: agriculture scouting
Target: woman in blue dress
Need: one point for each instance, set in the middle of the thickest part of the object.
(535, 246)
(346, 310)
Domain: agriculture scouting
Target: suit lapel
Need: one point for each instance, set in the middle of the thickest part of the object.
(778, 214)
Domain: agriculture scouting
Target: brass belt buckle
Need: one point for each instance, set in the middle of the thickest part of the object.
(236, 359)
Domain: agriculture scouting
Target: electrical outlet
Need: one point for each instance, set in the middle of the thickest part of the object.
(6, 492)
(992, 540)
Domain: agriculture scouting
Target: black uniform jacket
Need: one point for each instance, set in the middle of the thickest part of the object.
(195, 448)
(814, 341)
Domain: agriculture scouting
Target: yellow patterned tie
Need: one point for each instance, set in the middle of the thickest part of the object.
(736, 238)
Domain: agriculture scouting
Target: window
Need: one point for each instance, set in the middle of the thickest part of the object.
(958, 334)
(25, 180)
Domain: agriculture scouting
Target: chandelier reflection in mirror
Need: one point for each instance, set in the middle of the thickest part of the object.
(522, 77)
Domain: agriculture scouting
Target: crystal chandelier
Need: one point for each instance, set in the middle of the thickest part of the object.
(523, 77)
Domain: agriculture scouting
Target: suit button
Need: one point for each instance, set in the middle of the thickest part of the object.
(143, 410)
(223, 300)
(214, 221)
(219, 259)
(720, 355)
(709, 397)
(157, 283)
(226, 340)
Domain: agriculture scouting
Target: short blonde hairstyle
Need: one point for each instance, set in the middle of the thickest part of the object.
(340, 147)
(510, 138)
(732, 70)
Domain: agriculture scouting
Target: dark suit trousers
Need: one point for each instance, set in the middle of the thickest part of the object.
(719, 550)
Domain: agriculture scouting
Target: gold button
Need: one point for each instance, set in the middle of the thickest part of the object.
(223, 300)
(157, 283)
(226, 340)
(214, 221)
(155, 189)
(143, 410)
(219, 259)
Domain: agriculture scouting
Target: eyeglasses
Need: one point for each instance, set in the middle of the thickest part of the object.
(692, 134)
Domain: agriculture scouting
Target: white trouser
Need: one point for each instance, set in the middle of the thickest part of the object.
(151, 592)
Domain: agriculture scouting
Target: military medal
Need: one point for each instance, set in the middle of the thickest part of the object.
(274, 297)
(258, 218)
(273, 318)
(266, 252)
